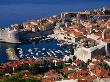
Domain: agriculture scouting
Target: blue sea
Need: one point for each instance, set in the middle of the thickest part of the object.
(17, 11)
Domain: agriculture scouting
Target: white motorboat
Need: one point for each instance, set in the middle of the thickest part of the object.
(43, 48)
(37, 54)
(30, 50)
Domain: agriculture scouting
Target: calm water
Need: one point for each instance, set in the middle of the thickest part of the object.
(14, 11)
(11, 12)
(46, 48)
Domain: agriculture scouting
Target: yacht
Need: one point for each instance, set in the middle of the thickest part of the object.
(42, 53)
(30, 50)
(56, 52)
(43, 48)
(39, 51)
(66, 51)
(37, 54)
(53, 52)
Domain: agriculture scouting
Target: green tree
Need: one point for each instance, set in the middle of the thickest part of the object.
(14, 78)
(88, 62)
(32, 79)
(19, 78)
(70, 60)
(65, 75)
(32, 67)
(74, 58)
(72, 51)
(104, 65)
(83, 65)
(107, 12)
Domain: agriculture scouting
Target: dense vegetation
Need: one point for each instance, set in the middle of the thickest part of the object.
(20, 77)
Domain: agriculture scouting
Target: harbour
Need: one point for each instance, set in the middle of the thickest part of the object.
(34, 11)
(55, 41)
(34, 50)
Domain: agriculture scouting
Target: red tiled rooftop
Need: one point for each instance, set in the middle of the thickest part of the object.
(78, 62)
(65, 70)
(100, 72)
(98, 34)
(90, 78)
(80, 71)
(72, 76)
(82, 81)
(83, 30)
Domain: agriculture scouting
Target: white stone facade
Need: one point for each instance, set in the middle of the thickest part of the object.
(87, 53)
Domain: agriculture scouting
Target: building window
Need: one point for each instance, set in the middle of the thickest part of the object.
(64, 37)
(69, 38)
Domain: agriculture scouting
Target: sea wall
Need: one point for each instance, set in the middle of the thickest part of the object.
(7, 35)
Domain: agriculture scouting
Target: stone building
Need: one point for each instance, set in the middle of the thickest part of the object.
(88, 52)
